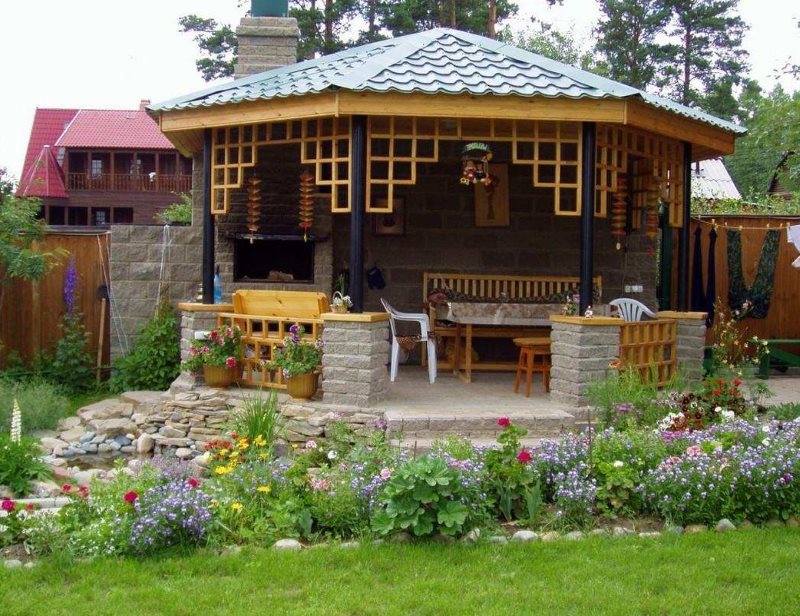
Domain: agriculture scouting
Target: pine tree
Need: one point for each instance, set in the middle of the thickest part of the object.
(408, 16)
(628, 39)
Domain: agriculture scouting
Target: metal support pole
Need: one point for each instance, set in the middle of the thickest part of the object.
(587, 215)
(683, 242)
(208, 223)
(358, 196)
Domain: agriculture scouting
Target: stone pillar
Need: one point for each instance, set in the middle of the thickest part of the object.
(355, 355)
(581, 349)
(691, 341)
(198, 317)
(265, 43)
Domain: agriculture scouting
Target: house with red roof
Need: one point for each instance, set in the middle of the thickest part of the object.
(99, 166)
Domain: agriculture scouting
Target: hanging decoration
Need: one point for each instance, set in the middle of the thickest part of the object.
(475, 164)
(759, 293)
(306, 203)
(619, 210)
(253, 205)
(651, 224)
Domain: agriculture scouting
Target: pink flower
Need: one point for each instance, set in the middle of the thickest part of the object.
(311, 444)
(504, 422)
(130, 497)
(8, 505)
(386, 473)
(192, 482)
(193, 352)
(83, 491)
(66, 487)
(320, 484)
(204, 350)
(693, 451)
(524, 456)
(230, 362)
(228, 332)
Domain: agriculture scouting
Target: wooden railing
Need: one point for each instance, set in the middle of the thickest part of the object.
(650, 347)
(129, 183)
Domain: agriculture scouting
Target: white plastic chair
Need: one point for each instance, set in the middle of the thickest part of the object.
(631, 309)
(424, 336)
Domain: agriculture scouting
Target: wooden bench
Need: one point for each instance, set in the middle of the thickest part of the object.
(501, 289)
(265, 318)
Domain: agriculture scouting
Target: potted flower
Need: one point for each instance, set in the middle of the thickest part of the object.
(341, 303)
(216, 355)
(298, 361)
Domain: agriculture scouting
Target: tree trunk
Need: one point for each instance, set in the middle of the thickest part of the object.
(687, 70)
(492, 21)
(371, 19)
(453, 22)
(328, 38)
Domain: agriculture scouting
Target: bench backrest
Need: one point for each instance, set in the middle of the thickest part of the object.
(496, 286)
(269, 303)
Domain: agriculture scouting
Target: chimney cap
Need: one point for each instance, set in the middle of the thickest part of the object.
(143, 103)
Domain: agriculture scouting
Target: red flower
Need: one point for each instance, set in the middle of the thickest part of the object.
(230, 362)
(504, 422)
(30, 507)
(737, 382)
(524, 456)
(130, 497)
(66, 487)
(8, 505)
(83, 491)
(234, 436)
(193, 483)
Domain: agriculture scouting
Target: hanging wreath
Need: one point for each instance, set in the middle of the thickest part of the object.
(760, 292)
(253, 204)
(306, 203)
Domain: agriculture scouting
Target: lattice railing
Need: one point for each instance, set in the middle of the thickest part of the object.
(650, 347)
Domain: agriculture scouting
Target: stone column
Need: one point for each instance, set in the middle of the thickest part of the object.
(691, 341)
(265, 43)
(581, 349)
(355, 355)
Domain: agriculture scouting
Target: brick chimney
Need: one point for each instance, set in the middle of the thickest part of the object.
(265, 43)
(143, 103)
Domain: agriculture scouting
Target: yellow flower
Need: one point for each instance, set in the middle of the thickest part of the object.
(259, 441)
(214, 502)
(233, 454)
(295, 445)
(262, 456)
(223, 470)
(237, 506)
(264, 489)
(223, 452)
(243, 444)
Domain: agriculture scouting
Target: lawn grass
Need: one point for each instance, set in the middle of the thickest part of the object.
(745, 572)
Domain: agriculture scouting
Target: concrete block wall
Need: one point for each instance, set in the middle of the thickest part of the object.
(265, 43)
(691, 342)
(354, 363)
(191, 322)
(580, 356)
(136, 268)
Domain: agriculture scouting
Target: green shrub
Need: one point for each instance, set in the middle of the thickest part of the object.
(154, 361)
(21, 464)
(42, 404)
(179, 213)
(785, 412)
(259, 420)
(72, 366)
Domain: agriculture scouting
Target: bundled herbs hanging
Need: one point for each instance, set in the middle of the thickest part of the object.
(253, 205)
(757, 296)
(306, 203)
(619, 211)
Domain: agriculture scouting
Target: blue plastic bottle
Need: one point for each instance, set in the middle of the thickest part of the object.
(217, 287)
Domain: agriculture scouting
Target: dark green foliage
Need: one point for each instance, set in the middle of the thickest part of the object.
(407, 16)
(788, 411)
(551, 43)
(154, 361)
(217, 43)
(21, 464)
(71, 366)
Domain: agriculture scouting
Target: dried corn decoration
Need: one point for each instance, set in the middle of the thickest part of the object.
(253, 204)
(306, 202)
(619, 210)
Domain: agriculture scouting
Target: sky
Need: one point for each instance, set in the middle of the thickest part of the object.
(109, 55)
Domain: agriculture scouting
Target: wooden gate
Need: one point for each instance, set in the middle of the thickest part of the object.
(30, 317)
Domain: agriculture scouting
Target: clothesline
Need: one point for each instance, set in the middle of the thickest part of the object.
(713, 223)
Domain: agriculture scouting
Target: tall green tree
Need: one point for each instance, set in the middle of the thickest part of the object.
(548, 41)
(400, 17)
(628, 39)
(217, 43)
(706, 44)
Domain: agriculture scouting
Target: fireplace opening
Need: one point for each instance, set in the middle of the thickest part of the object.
(273, 258)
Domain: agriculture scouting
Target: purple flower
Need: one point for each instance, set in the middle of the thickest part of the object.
(70, 285)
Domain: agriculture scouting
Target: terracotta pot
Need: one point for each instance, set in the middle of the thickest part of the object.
(302, 386)
(218, 376)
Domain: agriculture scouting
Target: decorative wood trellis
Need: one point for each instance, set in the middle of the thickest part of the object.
(650, 347)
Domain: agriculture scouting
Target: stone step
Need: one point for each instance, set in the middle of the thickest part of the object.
(142, 401)
(425, 425)
(423, 445)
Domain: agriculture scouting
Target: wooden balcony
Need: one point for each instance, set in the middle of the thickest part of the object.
(129, 183)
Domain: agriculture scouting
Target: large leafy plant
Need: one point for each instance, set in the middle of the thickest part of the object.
(423, 497)
(298, 355)
(221, 348)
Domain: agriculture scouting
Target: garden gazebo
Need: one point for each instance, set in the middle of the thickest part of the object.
(585, 171)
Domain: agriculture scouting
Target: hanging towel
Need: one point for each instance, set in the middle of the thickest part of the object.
(698, 303)
(794, 238)
(711, 277)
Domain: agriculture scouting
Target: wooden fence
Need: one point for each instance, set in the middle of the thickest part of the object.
(782, 320)
(30, 316)
(650, 347)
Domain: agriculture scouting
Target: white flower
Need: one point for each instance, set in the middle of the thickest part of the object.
(765, 442)
(727, 415)
(16, 423)
(765, 428)
(332, 455)
(618, 464)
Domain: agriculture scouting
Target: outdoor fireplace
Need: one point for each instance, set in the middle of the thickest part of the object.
(274, 258)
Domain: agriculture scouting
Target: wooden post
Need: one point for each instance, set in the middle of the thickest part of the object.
(587, 214)
(683, 243)
(358, 196)
(208, 223)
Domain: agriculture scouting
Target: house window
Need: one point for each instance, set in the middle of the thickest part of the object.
(97, 167)
(101, 216)
(123, 215)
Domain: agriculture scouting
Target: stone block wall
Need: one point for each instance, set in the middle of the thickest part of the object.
(691, 342)
(265, 43)
(191, 322)
(137, 254)
(354, 363)
(581, 351)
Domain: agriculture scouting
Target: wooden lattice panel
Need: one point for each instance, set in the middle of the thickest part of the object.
(394, 147)
(326, 145)
(554, 151)
(234, 149)
(650, 347)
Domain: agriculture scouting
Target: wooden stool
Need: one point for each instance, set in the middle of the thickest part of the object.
(534, 356)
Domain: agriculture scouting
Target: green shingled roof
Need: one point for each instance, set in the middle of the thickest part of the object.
(440, 61)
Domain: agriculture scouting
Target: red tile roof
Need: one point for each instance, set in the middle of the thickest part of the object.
(99, 128)
(48, 124)
(43, 178)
